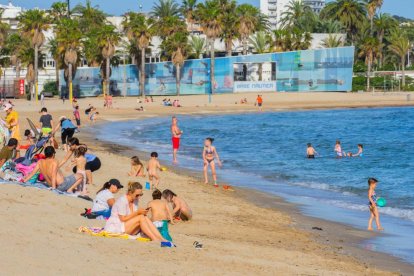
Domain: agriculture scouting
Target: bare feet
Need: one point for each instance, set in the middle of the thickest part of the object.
(380, 229)
(370, 229)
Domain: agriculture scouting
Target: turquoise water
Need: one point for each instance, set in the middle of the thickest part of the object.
(267, 152)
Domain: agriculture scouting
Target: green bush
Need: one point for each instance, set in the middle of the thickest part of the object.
(359, 83)
(360, 67)
(50, 87)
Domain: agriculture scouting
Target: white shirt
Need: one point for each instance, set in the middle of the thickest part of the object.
(121, 207)
(101, 201)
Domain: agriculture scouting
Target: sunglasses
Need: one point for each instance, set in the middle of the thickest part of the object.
(139, 195)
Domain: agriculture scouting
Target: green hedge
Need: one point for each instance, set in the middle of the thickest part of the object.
(50, 87)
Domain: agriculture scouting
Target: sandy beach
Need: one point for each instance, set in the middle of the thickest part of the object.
(243, 232)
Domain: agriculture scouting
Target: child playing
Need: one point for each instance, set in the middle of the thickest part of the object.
(76, 114)
(137, 168)
(181, 210)
(372, 184)
(80, 162)
(93, 115)
(310, 152)
(160, 214)
(152, 168)
(359, 153)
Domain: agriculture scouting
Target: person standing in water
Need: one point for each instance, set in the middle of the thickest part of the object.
(209, 154)
(176, 136)
(373, 208)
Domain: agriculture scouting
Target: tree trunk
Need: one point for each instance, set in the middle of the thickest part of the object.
(18, 69)
(372, 25)
(133, 61)
(108, 69)
(403, 72)
(57, 76)
(35, 71)
(260, 71)
(229, 43)
(142, 75)
(70, 83)
(212, 81)
(369, 73)
(244, 46)
(178, 79)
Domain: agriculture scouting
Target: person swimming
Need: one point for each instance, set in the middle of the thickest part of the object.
(359, 153)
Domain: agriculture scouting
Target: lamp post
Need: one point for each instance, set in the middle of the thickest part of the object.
(68, 1)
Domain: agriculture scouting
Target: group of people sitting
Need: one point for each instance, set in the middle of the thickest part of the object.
(124, 216)
(167, 102)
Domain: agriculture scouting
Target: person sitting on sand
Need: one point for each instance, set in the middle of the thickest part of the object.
(310, 152)
(160, 214)
(9, 151)
(104, 199)
(359, 153)
(29, 138)
(137, 168)
(338, 150)
(153, 167)
(181, 210)
(126, 218)
(49, 167)
(209, 153)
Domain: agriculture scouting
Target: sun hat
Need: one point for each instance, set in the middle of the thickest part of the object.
(7, 106)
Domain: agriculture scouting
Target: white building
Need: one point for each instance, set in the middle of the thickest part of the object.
(316, 5)
(274, 10)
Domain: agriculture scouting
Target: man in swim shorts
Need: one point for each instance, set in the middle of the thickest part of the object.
(49, 167)
(176, 136)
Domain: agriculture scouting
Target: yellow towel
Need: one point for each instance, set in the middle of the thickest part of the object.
(99, 232)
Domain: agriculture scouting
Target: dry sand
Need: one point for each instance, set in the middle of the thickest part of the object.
(39, 229)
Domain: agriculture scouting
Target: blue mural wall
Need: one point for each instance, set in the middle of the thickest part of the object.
(311, 70)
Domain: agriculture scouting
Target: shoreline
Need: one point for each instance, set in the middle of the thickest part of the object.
(349, 244)
(242, 231)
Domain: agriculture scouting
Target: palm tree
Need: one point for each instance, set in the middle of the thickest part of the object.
(208, 14)
(165, 8)
(298, 14)
(372, 7)
(260, 42)
(384, 24)
(32, 24)
(332, 41)
(54, 50)
(369, 49)
(57, 11)
(68, 37)
(139, 30)
(13, 45)
(108, 39)
(400, 45)
(188, 10)
(229, 21)
(248, 23)
(197, 46)
(351, 14)
(91, 16)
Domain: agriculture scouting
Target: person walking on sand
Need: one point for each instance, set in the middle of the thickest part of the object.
(153, 167)
(176, 136)
(373, 208)
(209, 153)
(259, 102)
(12, 121)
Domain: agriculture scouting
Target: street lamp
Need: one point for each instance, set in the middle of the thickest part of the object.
(68, 1)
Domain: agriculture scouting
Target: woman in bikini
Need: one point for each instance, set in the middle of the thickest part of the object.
(209, 154)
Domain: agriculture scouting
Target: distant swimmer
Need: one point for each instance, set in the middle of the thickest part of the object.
(359, 153)
(310, 152)
(338, 150)
(176, 136)
(373, 208)
(209, 154)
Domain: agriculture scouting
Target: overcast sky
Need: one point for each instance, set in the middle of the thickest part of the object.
(117, 7)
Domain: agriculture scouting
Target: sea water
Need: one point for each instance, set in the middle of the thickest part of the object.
(267, 152)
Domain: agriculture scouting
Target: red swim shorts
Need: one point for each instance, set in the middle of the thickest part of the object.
(176, 143)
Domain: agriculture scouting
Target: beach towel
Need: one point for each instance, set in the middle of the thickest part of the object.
(100, 232)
